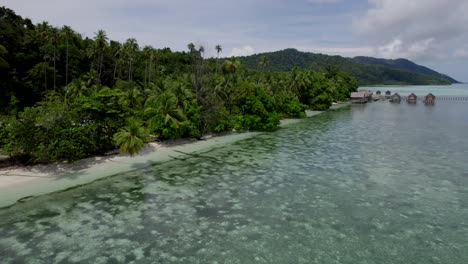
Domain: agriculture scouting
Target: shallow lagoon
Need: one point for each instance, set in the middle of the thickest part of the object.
(377, 183)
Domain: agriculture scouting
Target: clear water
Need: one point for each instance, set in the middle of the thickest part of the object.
(376, 183)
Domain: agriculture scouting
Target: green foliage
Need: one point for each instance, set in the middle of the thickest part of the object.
(48, 132)
(254, 109)
(290, 106)
(66, 97)
(132, 138)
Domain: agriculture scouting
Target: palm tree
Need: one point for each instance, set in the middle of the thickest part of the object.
(169, 110)
(100, 45)
(182, 93)
(219, 49)
(68, 34)
(165, 105)
(230, 67)
(132, 98)
(148, 53)
(263, 63)
(117, 50)
(43, 32)
(132, 139)
(191, 47)
(54, 39)
(130, 49)
(201, 50)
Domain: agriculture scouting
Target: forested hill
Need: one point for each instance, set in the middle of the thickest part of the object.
(367, 70)
(403, 64)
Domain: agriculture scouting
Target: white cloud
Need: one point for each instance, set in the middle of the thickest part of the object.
(418, 29)
(243, 51)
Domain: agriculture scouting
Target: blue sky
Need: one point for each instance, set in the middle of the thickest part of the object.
(430, 32)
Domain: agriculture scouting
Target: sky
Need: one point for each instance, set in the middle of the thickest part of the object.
(433, 33)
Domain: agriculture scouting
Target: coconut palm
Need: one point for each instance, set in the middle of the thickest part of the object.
(148, 53)
(132, 98)
(132, 139)
(181, 91)
(100, 45)
(54, 40)
(117, 50)
(219, 49)
(130, 49)
(191, 47)
(231, 66)
(165, 105)
(201, 50)
(67, 33)
(263, 63)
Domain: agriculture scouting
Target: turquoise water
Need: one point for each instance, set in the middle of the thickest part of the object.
(375, 183)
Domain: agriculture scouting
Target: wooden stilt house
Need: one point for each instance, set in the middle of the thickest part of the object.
(412, 98)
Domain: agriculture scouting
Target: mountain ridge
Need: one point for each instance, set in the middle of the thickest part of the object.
(368, 70)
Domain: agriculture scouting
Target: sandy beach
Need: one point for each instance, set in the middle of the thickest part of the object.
(19, 183)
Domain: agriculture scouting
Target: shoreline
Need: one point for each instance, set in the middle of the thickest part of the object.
(20, 183)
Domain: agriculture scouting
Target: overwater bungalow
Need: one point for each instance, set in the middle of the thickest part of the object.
(377, 96)
(396, 98)
(412, 98)
(388, 94)
(359, 97)
(429, 99)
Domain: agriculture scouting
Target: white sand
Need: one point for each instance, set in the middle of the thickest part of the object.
(20, 182)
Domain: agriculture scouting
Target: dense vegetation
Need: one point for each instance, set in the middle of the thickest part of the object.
(65, 97)
(368, 71)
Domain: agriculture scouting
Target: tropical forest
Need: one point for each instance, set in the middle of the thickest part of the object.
(64, 97)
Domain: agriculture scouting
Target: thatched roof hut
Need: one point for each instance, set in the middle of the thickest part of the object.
(396, 98)
(429, 99)
(388, 94)
(412, 98)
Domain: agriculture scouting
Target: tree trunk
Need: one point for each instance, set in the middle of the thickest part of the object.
(146, 75)
(54, 69)
(150, 71)
(101, 62)
(66, 67)
(115, 70)
(129, 70)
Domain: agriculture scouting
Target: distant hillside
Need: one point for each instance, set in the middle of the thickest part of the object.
(367, 70)
(403, 64)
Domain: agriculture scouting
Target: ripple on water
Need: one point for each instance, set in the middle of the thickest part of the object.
(351, 186)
